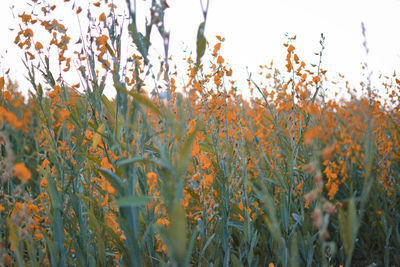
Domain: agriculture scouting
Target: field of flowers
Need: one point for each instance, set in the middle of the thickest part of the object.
(202, 176)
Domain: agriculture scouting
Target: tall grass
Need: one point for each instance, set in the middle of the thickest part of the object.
(286, 177)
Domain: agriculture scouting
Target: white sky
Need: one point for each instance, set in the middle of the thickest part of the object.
(255, 31)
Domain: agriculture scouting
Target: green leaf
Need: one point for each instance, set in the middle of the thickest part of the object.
(109, 49)
(55, 197)
(97, 135)
(145, 101)
(114, 180)
(52, 249)
(348, 227)
(176, 233)
(91, 158)
(14, 240)
(206, 245)
(294, 252)
(253, 244)
(141, 99)
(108, 105)
(141, 42)
(235, 261)
(100, 247)
(32, 251)
(190, 248)
(310, 249)
(135, 160)
(133, 201)
(184, 153)
(201, 42)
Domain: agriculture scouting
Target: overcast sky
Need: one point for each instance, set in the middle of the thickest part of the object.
(255, 31)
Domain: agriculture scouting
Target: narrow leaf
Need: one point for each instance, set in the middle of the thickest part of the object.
(133, 201)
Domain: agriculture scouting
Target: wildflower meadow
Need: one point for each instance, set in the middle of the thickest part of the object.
(180, 168)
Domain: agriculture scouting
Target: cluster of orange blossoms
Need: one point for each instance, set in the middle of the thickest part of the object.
(289, 136)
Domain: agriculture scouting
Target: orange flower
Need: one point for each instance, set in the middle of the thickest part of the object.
(88, 134)
(22, 172)
(28, 33)
(195, 148)
(241, 206)
(106, 186)
(7, 259)
(106, 164)
(217, 47)
(25, 18)
(195, 177)
(102, 40)
(290, 48)
(38, 46)
(296, 58)
(104, 203)
(43, 183)
(55, 92)
(311, 134)
(163, 222)
(327, 153)
(333, 189)
(152, 181)
(64, 115)
(112, 155)
(102, 17)
(316, 79)
(208, 179)
(192, 127)
(10, 117)
(45, 163)
(204, 162)
(38, 236)
(152, 176)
